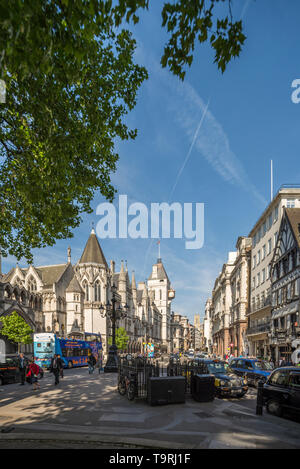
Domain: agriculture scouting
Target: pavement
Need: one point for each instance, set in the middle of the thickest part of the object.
(87, 411)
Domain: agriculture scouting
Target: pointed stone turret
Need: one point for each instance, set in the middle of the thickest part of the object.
(133, 283)
(92, 252)
(122, 283)
(133, 288)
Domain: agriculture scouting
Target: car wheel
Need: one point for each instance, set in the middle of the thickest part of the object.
(70, 364)
(241, 394)
(274, 407)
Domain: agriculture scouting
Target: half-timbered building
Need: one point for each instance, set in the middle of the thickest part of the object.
(285, 278)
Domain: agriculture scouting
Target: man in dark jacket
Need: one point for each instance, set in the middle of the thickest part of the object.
(55, 368)
(22, 364)
(60, 365)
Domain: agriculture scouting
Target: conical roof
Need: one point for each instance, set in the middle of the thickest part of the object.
(93, 252)
(161, 273)
(74, 286)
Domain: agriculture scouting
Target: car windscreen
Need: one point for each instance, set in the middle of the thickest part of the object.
(263, 366)
(217, 367)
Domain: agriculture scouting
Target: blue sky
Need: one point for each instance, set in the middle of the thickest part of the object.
(249, 120)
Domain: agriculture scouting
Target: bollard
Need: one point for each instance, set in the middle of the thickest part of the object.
(259, 399)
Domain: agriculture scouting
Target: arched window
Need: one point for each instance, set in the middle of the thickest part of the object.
(32, 284)
(97, 289)
(160, 294)
(86, 290)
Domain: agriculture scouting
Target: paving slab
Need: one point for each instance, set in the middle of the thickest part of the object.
(89, 406)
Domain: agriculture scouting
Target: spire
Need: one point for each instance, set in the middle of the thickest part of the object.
(69, 255)
(92, 251)
(133, 283)
(159, 258)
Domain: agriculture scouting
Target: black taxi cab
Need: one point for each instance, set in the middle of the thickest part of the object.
(281, 392)
(227, 384)
(9, 371)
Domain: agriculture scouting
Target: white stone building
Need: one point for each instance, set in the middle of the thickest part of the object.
(66, 298)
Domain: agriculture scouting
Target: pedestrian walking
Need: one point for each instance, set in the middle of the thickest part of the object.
(60, 366)
(99, 362)
(91, 364)
(55, 369)
(32, 374)
(22, 368)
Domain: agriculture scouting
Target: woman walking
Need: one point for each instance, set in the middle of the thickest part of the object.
(33, 371)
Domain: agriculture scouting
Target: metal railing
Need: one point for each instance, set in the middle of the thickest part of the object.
(261, 304)
(139, 370)
(258, 328)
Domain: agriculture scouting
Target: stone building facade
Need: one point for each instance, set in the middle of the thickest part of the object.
(66, 298)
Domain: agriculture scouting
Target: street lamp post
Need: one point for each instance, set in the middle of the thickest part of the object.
(114, 314)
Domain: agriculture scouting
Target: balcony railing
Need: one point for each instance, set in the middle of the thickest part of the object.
(259, 328)
(261, 304)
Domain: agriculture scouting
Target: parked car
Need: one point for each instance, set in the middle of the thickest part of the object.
(252, 369)
(226, 383)
(9, 371)
(282, 391)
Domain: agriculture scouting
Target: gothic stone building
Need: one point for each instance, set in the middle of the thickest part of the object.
(66, 298)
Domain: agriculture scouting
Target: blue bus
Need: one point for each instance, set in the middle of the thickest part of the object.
(73, 352)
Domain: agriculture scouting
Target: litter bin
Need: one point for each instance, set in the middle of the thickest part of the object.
(166, 390)
(203, 388)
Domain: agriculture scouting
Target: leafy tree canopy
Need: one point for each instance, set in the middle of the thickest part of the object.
(121, 339)
(16, 329)
(70, 80)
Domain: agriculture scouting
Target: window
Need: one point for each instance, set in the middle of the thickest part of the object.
(270, 246)
(258, 257)
(239, 364)
(276, 213)
(279, 378)
(294, 380)
(270, 220)
(275, 237)
(86, 290)
(254, 261)
(258, 235)
(263, 276)
(264, 228)
(258, 279)
(248, 365)
(290, 203)
(97, 291)
(264, 251)
(32, 287)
